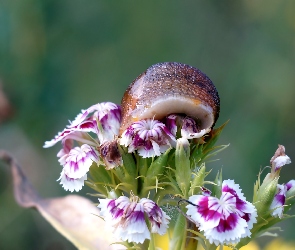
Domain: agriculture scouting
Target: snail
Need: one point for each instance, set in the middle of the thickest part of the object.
(171, 88)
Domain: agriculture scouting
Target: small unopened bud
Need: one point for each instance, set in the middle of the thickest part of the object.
(110, 154)
(279, 159)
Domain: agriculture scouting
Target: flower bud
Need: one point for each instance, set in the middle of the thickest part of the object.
(265, 197)
(182, 162)
(279, 159)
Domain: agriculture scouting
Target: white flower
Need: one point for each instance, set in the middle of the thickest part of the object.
(149, 137)
(126, 217)
(71, 184)
(225, 220)
(158, 218)
(78, 161)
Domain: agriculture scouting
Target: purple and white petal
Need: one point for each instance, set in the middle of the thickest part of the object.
(78, 161)
(60, 136)
(290, 188)
(190, 129)
(107, 113)
(225, 220)
(149, 137)
(100, 110)
(126, 218)
(72, 133)
(71, 184)
(190, 135)
(229, 230)
(158, 218)
(277, 205)
(133, 227)
(250, 217)
(205, 211)
(67, 146)
(109, 117)
(171, 124)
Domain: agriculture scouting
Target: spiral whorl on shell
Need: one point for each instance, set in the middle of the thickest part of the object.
(171, 88)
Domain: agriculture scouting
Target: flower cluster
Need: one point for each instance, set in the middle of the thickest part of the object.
(155, 162)
(103, 120)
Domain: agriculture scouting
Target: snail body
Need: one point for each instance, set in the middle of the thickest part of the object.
(171, 88)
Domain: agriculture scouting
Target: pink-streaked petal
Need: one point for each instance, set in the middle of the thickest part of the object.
(149, 137)
(79, 160)
(158, 218)
(60, 136)
(108, 114)
(290, 184)
(110, 119)
(204, 212)
(190, 129)
(70, 184)
(229, 230)
(136, 232)
(101, 110)
(171, 124)
(278, 202)
(231, 187)
(250, 218)
(134, 228)
(225, 220)
(150, 149)
(126, 138)
(290, 188)
(125, 218)
(72, 133)
(190, 135)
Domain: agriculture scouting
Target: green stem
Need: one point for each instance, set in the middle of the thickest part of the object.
(214, 247)
(152, 243)
(179, 234)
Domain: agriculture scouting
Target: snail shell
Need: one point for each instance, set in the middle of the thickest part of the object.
(170, 88)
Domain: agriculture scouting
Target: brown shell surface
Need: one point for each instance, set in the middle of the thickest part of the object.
(164, 80)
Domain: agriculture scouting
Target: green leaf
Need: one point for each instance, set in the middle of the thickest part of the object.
(198, 180)
(216, 191)
(128, 162)
(158, 166)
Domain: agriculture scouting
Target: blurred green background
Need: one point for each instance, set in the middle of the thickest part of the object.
(57, 57)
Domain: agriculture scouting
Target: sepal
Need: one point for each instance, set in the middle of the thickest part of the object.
(183, 171)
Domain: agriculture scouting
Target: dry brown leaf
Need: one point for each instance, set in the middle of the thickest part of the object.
(73, 216)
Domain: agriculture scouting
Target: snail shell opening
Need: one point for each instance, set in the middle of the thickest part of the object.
(171, 88)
